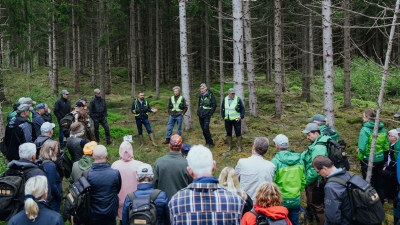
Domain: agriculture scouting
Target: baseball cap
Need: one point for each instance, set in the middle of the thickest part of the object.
(310, 127)
(26, 100)
(41, 106)
(185, 149)
(281, 141)
(318, 118)
(23, 107)
(145, 169)
(397, 114)
(175, 142)
(64, 92)
(79, 104)
(47, 127)
(231, 90)
(88, 148)
(96, 91)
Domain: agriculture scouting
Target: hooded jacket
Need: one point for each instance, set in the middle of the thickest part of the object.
(364, 142)
(308, 156)
(18, 131)
(127, 168)
(289, 176)
(273, 212)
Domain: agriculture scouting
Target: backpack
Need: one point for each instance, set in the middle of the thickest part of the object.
(265, 220)
(12, 192)
(66, 164)
(143, 210)
(65, 123)
(366, 206)
(336, 153)
(77, 201)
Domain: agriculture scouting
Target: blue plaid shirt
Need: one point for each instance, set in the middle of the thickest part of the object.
(205, 202)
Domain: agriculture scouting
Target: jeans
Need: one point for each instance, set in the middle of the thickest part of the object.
(146, 123)
(237, 126)
(60, 135)
(171, 123)
(103, 122)
(294, 215)
(205, 126)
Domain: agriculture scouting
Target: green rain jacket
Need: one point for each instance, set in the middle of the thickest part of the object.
(365, 140)
(289, 176)
(308, 156)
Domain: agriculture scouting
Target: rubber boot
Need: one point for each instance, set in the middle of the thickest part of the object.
(239, 143)
(152, 139)
(229, 140)
(141, 139)
(166, 141)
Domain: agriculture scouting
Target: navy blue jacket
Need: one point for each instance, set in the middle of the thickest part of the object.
(106, 184)
(37, 121)
(55, 181)
(143, 190)
(18, 131)
(46, 216)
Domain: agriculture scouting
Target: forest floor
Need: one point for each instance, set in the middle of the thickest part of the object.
(348, 121)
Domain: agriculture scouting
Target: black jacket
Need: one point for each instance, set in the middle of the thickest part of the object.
(61, 108)
(206, 100)
(31, 169)
(18, 131)
(98, 108)
(142, 109)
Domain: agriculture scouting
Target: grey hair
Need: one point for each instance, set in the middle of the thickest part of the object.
(203, 85)
(27, 150)
(261, 145)
(100, 152)
(145, 178)
(200, 160)
(176, 87)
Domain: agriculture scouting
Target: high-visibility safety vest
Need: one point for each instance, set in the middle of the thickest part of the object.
(175, 105)
(139, 109)
(205, 102)
(230, 110)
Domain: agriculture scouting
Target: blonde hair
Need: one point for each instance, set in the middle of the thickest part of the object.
(230, 181)
(268, 194)
(36, 186)
(48, 150)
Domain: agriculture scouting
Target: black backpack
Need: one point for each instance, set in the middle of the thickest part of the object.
(265, 220)
(65, 123)
(66, 164)
(336, 153)
(366, 206)
(77, 201)
(12, 192)
(143, 210)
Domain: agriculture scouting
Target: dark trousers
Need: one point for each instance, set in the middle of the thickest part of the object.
(146, 123)
(103, 122)
(205, 126)
(377, 177)
(315, 201)
(237, 126)
(60, 135)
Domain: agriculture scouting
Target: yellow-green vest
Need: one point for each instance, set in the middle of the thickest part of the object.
(175, 105)
(230, 110)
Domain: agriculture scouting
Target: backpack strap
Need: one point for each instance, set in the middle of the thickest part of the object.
(340, 180)
(85, 173)
(131, 196)
(155, 194)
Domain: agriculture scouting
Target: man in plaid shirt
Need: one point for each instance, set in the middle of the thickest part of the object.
(204, 201)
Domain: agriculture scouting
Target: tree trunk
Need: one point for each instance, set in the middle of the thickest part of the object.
(67, 50)
(238, 52)
(140, 46)
(75, 63)
(382, 92)
(221, 50)
(310, 46)
(93, 48)
(346, 49)
(55, 55)
(132, 46)
(249, 59)
(187, 119)
(207, 47)
(157, 51)
(329, 104)
(278, 59)
(50, 54)
(306, 78)
(100, 57)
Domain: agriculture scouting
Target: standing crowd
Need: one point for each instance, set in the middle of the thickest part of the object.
(180, 188)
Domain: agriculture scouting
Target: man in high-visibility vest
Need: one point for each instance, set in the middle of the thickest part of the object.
(176, 109)
(206, 108)
(232, 111)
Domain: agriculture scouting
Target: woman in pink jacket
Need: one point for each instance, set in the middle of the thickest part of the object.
(127, 167)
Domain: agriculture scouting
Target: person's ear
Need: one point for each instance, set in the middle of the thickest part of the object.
(214, 166)
(190, 171)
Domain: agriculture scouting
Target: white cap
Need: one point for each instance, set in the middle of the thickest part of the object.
(281, 141)
(145, 169)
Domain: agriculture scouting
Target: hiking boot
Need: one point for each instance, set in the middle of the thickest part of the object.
(152, 139)
(166, 141)
(229, 140)
(239, 143)
(141, 139)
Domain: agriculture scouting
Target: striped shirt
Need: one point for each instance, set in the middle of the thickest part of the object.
(205, 204)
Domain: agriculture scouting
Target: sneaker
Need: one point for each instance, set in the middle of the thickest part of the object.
(211, 145)
(166, 141)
